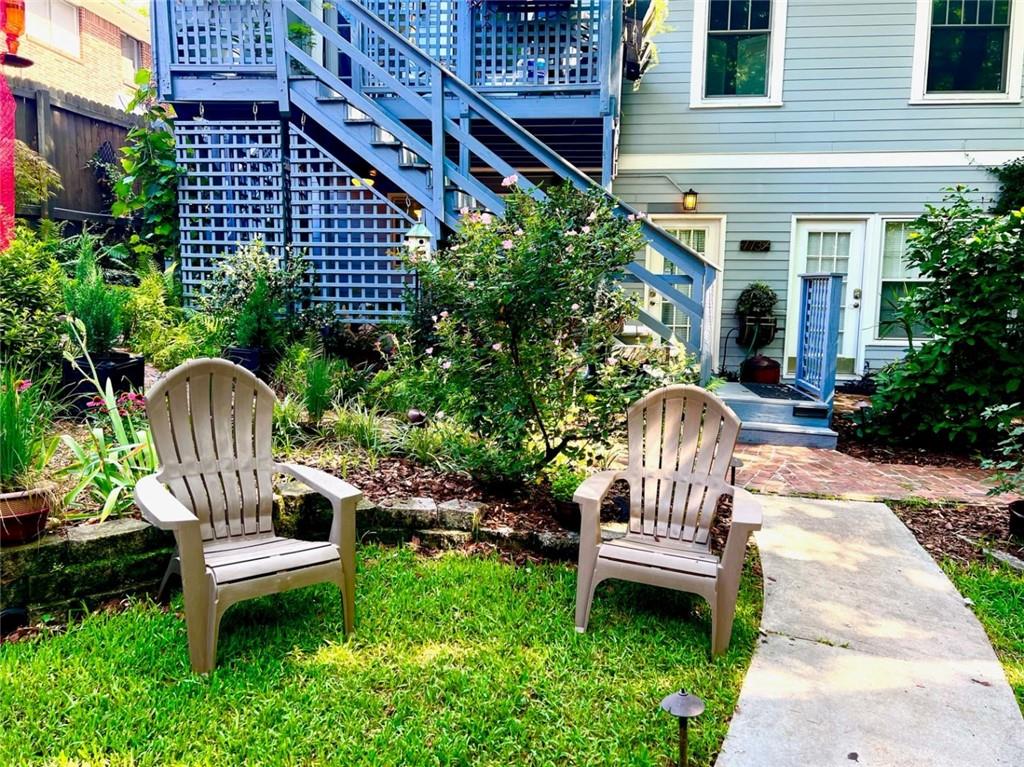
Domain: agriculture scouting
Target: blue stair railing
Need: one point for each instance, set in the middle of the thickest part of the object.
(445, 104)
(821, 297)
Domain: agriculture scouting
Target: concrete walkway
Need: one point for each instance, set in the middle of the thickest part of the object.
(869, 655)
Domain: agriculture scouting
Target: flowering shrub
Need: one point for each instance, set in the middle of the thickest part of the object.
(524, 314)
(973, 308)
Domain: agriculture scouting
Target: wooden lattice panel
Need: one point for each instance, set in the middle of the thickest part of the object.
(233, 33)
(349, 233)
(432, 27)
(232, 191)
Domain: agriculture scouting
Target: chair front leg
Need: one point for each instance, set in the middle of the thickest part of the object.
(198, 594)
(590, 540)
(343, 535)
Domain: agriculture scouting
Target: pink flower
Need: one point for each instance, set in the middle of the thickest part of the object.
(23, 385)
(571, 233)
(444, 315)
(631, 217)
(486, 219)
(507, 244)
(446, 364)
(510, 180)
(430, 350)
(496, 346)
(575, 307)
(585, 230)
(463, 210)
(592, 216)
(569, 249)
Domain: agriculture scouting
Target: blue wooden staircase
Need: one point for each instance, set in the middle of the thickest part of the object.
(380, 99)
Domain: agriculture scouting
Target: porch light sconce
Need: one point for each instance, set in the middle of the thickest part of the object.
(419, 240)
(689, 201)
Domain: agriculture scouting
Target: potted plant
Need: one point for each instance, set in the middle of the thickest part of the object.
(758, 326)
(257, 328)
(25, 449)
(99, 308)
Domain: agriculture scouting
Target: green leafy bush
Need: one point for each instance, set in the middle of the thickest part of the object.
(1011, 189)
(565, 477)
(95, 304)
(236, 275)
(35, 180)
(757, 300)
(525, 315)
(973, 306)
(25, 419)
(258, 323)
(31, 304)
(1009, 466)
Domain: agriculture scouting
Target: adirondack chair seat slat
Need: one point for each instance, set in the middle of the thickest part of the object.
(270, 558)
(211, 424)
(681, 440)
(663, 558)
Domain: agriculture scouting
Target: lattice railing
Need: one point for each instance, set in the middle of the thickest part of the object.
(232, 191)
(227, 33)
(349, 233)
(818, 342)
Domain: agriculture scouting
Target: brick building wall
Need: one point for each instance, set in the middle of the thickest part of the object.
(98, 72)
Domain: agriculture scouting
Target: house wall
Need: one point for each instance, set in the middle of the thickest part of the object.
(845, 141)
(97, 73)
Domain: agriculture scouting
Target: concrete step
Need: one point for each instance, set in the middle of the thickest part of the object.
(768, 433)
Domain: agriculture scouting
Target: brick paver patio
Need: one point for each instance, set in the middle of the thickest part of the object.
(785, 470)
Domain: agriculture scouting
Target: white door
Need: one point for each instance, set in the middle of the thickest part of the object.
(830, 246)
(704, 236)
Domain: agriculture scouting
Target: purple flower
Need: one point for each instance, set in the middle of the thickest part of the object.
(23, 385)
(510, 180)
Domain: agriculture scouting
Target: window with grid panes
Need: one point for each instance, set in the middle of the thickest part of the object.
(968, 46)
(738, 44)
(899, 279)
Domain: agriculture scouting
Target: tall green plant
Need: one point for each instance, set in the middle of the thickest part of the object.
(25, 420)
(97, 306)
(119, 449)
(972, 307)
(146, 184)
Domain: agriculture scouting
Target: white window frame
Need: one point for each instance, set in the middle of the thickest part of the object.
(1014, 64)
(776, 61)
(873, 266)
(47, 37)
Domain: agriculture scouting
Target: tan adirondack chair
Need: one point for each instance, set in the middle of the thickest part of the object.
(681, 440)
(211, 423)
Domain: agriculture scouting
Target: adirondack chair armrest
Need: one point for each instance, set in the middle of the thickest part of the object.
(594, 488)
(746, 509)
(160, 508)
(326, 484)
(746, 517)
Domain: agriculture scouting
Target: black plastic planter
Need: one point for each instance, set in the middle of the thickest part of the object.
(1017, 519)
(248, 357)
(125, 372)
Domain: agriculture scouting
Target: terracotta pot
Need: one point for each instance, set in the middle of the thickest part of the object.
(1017, 519)
(760, 369)
(23, 514)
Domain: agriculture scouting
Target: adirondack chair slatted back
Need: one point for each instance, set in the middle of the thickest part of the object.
(211, 422)
(679, 437)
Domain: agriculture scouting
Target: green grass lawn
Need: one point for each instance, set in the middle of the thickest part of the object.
(456, 660)
(998, 595)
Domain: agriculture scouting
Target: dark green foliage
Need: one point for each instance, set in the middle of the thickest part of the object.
(25, 420)
(757, 300)
(1011, 191)
(98, 306)
(974, 308)
(146, 184)
(31, 304)
(258, 324)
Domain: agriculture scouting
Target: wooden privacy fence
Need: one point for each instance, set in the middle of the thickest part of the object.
(69, 131)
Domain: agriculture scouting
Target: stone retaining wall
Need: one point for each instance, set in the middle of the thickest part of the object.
(81, 566)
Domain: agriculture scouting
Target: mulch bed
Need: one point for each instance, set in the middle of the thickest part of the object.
(959, 531)
(852, 444)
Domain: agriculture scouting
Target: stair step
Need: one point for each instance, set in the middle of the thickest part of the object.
(767, 433)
